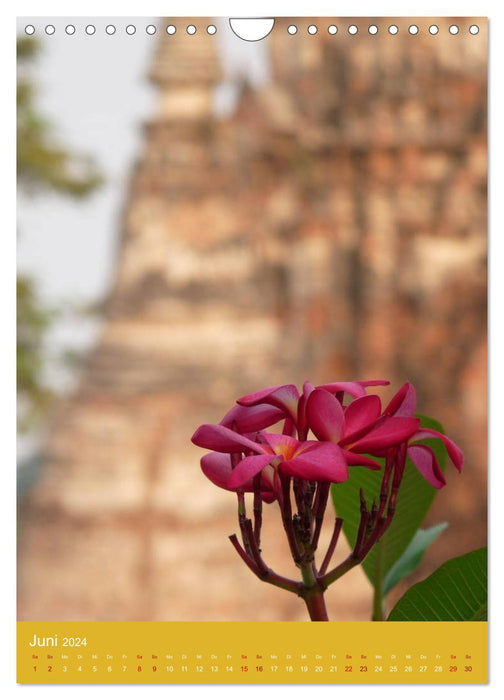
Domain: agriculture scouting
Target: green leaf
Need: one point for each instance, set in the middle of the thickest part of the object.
(414, 500)
(456, 591)
(412, 556)
(481, 615)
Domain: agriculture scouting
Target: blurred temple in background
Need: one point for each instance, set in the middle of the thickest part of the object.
(333, 227)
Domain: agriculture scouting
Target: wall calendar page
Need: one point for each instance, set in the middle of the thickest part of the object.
(252, 350)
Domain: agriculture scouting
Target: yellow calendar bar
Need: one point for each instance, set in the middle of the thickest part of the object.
(252, 652)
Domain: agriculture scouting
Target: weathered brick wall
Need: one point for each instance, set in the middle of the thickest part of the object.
(334, 227)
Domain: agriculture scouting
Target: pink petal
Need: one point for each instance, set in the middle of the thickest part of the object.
(403, 403)
(374, 382)
(318, 462)
(362, 412)
(283, 397)
(324, 415)
(222, 439)
(301, 416)
(217, 467)
(353, 438)
(389, 433)
(425, 461)
(454, 452)
(355, 389)
(249, 419)
(283, 445)
(356, 460)
(268, 496)
(307, 389)
(289, 427)
(247, 469)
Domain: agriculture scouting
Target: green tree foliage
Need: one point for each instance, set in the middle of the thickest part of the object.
(32, 322)
(457, 591)
(43, 164)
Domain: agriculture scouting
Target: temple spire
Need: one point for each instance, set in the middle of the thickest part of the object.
(186, 70)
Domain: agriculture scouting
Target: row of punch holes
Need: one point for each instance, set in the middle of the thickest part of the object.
(111, 29)
(211, 29)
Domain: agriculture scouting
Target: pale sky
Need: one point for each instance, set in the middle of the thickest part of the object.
(94, 90)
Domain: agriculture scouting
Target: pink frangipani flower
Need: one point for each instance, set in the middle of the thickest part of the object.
(283, 397)
(285, 445)
(266, 407)
(422, 456)
(250, 419)
(357, 429)
(311, 460)
(217, 467)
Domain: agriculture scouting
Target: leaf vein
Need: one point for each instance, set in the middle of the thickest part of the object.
(458, 587)
(444, 606)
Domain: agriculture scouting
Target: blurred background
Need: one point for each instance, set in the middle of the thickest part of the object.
(200, 217)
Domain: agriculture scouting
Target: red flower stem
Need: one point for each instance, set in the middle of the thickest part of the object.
(360, 551)
(313, 594)
(399, 464)
(361, 532)
(378, 602)
(257, 509)
(323, 489)
(338, 571)
(287, 519)
(332, 545)
(242, 511)
(316, 498)
(379, 523)
(316, 607)
(373, 524)
(255, 553)
(248, 561)
(245, 541)
(299, 495)
(269, 576)
(374, 512)
(242, 517)
(308, 509)
(384, 490)
(309, 494)
(384, 522)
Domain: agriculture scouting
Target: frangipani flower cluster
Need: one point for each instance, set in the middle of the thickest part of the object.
(289, 446)
(347, 435)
